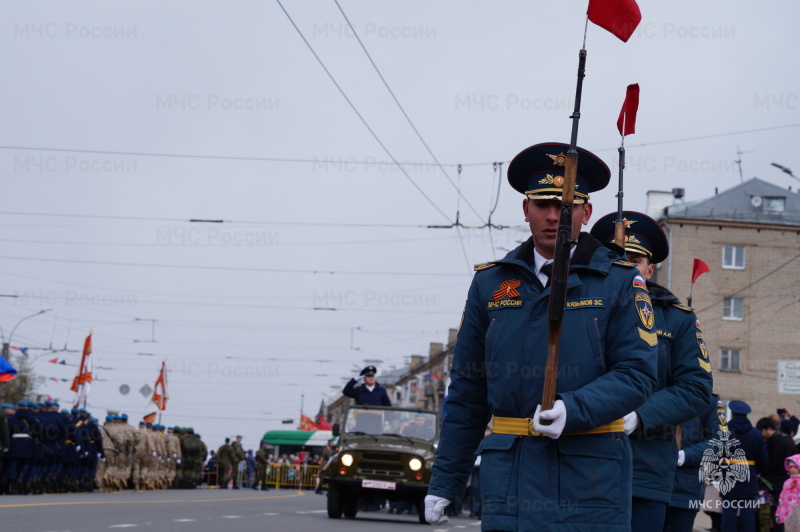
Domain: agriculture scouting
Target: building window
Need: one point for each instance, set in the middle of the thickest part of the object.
(733, 257)
(732, 308)
(729, 359)
(775, 205)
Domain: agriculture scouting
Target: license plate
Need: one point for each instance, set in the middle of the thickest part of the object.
(378, 484)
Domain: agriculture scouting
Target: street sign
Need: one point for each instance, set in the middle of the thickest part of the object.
(145, 390)
(124, 389)
(789, 377)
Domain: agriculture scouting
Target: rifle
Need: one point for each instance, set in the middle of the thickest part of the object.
(564, 241)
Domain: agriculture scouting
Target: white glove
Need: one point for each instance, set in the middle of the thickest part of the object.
(178, 461)
(99, 455)
(681, 457)
(558, 416)
(154, 453)
(77, 448)
(630, 422)
(359, 380)
(434, 509)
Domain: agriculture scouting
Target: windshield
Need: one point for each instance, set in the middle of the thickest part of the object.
(420, 425)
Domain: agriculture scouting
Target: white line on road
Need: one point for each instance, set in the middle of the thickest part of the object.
(231, 516)
(183, 520)
(271, 513)
(124, 525)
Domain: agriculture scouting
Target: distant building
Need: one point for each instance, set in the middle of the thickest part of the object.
(748, 304)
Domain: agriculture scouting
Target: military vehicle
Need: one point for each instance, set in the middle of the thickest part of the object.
(385, 453)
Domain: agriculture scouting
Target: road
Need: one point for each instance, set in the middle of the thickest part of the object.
(198, 511)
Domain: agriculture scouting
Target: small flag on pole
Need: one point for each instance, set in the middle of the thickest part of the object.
(620, 17)
(626, 123)
(82, 383)
(306, 423)
(160, 391)
(699, 269)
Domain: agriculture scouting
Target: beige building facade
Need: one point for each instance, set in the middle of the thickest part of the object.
(748, 304)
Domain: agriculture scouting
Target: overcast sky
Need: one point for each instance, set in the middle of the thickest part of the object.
(122, 122)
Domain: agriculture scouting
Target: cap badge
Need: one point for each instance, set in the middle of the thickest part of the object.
(555, 180)
(558, 160)
(629, 223)
(633, 240)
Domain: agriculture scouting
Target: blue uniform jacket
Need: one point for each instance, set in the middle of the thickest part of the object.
(607, 368)
(696, 436)
(755, 449)
(684, 386)
(362, 395)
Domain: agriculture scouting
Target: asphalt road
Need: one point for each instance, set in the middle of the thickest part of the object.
(199, 511)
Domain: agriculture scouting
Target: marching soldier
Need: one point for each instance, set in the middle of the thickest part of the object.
(684, 373)
(238, 456)
(262, 463)
(569, 466)
(224, 460)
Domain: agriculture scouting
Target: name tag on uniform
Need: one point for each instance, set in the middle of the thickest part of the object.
(589, 302)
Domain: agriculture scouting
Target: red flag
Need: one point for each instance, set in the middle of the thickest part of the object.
(82, 383)
(54, 361)
(149, 418)
(699, 269)
(306, 423)
(626, 123)
(160, 388)
(620, 17)
(436, 376)
(324, 424)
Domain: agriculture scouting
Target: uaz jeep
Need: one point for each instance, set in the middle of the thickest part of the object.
(385, 453)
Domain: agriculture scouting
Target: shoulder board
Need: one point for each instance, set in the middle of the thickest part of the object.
(483, 266)
(683, 307)
(624, 263)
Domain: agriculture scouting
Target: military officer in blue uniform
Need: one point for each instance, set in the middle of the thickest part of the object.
(365, 390)
(574, 473)
(747, 457)
(684, 374)
(688, 489)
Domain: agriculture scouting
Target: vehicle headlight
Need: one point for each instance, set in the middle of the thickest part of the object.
(347, 460)
(415, 464)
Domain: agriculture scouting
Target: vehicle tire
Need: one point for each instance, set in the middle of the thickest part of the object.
(350, 506)
(421, 511)
(335, 502)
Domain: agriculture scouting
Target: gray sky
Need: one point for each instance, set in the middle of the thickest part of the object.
(199, 110)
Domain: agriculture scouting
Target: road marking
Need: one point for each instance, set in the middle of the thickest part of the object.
(231, 516)
(126, 525)
(287, 495)
(183, 520)
(271, 513)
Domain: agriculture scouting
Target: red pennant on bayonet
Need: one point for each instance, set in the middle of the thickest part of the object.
(620, 17)
(698, 269)
(626, 123)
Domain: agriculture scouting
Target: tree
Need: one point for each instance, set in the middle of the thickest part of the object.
(24, 384)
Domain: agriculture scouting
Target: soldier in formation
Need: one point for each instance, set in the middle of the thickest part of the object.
(43, 450)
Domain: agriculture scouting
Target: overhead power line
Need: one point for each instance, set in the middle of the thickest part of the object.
(402, 110)
(358, 114)
(231, 268)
